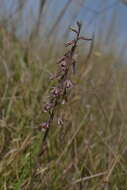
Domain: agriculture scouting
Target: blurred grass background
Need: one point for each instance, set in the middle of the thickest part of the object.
(90, 150)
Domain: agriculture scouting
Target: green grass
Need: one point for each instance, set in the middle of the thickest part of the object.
(89, 151)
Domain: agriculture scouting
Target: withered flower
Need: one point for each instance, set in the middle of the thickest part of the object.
(63, 65)
(59, 94)
(44, 125)
(47, 107)
(55, 91)
(68, 84)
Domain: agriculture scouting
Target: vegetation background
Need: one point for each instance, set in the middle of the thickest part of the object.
(90, 150)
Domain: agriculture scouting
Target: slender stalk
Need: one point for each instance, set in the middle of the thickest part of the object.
(60, 92)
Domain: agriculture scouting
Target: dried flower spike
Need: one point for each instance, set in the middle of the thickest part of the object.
(59, 93)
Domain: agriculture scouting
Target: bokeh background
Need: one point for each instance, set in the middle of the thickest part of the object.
(51, 19)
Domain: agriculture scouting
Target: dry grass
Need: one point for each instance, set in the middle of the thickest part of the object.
(89, 150)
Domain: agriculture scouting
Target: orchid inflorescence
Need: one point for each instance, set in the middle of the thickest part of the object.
(59, 94)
